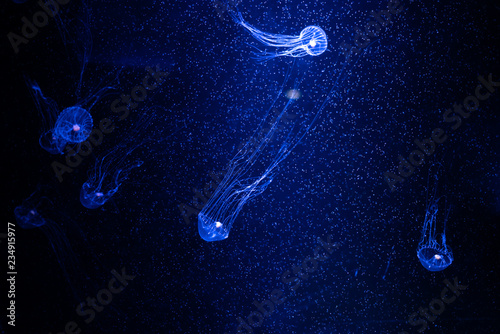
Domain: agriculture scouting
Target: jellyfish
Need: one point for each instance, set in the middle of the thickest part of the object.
(216, 218)
(254, 166)
(113, 167)
(434, 255)
(96, 190)
(27, 216)
(73, 124)
(311, 41)
(35, 213)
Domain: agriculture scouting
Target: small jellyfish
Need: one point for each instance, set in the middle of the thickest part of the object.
(96, 190)
(36, 213)
(312, 41)
(113, 167)
(434, 255)
(217, 217)
(27, 217)
(73, 125)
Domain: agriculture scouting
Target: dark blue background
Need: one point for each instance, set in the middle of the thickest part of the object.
(331, 184)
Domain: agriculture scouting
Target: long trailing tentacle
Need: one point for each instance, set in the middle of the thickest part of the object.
(274, 40)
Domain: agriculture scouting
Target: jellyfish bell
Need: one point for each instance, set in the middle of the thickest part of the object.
(314, 39)
(74, 124)
(28, 218)
(211, 230)
(92, 198)
(434, 258)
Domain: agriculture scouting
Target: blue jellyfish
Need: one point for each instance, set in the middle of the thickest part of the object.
(33, 213)
(216, 218)
(27, 215)
(312, 41)
(434, 255)
(113, 167)
(73, 125)
(253, 167)
(97, 190)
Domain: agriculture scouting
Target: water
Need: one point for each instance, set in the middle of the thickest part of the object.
(329, 245)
